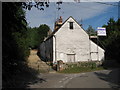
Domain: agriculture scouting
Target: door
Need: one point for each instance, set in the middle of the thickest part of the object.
(70, 57)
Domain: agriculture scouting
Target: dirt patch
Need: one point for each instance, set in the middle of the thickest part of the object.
(36, 63)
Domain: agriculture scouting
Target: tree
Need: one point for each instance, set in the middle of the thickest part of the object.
(14, 35)
(91, 31)
(111, 41)
(32, 35)
(36, 35)
(14, 30)
(39, 5)
(43, 32)
(14, 41)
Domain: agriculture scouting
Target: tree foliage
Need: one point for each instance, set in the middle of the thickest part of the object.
(43, 31)
(112, 40)
(36, 35)
(14, 40)
(39, 5)
(32, 36)
(14, 32)
(91, 31)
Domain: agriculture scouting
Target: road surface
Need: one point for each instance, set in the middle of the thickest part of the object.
(97, 79)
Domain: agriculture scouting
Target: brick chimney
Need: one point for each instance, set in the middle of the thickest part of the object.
(58, 23)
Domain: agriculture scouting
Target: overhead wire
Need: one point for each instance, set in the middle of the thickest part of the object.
(104, 3)
(93, 8)
(90, 8)
(107, 4)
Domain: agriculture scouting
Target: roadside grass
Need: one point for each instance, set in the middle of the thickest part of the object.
(77, 69)
(82, 67)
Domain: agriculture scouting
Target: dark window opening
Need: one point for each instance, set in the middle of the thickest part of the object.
(71, 25)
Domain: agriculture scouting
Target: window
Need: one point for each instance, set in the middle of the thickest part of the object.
(71, 25)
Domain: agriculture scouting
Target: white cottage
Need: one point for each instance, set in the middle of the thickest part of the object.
(70, 43)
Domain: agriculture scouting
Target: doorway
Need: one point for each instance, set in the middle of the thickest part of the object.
(70, 57)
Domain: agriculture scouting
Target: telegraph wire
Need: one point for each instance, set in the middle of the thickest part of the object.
(91, 8)
(107, 4)
(103, 3)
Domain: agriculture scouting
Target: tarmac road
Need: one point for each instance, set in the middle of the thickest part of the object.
(97, 79)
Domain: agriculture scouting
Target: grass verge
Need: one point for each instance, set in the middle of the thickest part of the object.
(80, 69)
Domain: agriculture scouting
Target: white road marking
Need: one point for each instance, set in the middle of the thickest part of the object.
(61, 86)
(83, 73)
(64, 78)
(60, 81)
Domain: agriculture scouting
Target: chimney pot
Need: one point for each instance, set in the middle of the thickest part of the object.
(58, 23)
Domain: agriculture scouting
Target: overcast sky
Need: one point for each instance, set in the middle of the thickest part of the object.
(91, 13)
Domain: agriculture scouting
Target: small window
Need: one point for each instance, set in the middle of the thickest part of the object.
(71, 25)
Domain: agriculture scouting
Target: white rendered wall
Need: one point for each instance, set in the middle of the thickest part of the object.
(70, 41)
(96, 56)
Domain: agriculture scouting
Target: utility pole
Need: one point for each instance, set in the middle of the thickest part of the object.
(58, 7)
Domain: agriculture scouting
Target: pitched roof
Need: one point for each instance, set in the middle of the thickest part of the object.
(61, 26)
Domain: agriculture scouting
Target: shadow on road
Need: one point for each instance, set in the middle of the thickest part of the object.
(113, 77)
(21, 78)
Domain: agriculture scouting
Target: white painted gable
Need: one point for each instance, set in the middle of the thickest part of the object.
(72, 41)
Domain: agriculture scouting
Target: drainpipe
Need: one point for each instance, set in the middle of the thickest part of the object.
(90, 49)
(55, 48)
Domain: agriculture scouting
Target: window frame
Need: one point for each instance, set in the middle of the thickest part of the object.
(71, 25)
